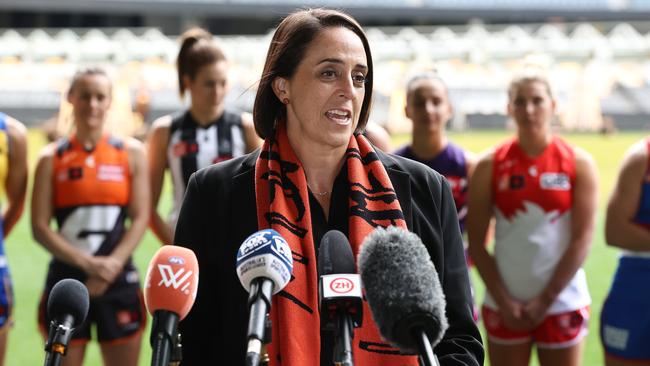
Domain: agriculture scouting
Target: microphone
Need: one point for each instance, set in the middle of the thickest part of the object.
(67, 307)
(403, 291)
(169, 293)
(264, 266)
(340, 293)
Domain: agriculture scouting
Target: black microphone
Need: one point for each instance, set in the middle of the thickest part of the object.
(67, 307)
(403, 291)
(340, 293)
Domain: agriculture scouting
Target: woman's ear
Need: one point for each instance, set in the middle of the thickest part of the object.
(187, 81)
(280, 88)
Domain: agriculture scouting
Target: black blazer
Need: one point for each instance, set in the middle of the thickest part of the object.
(219, 213)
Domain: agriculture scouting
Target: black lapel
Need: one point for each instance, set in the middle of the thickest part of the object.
(244, 211)
(401, 183)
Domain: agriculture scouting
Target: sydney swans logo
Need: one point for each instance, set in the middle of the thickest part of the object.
(175, 280)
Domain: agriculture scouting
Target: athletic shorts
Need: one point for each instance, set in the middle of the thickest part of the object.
(625, 318)
(555, 331)
(118, 315)
(6, 297)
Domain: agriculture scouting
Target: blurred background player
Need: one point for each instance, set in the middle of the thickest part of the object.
(204, 134)
(13, 178)
(91, 182)
(429, 108)
(543, 194)
(625, 325)
(378, 136)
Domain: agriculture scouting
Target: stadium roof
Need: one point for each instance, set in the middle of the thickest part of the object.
(404, 11)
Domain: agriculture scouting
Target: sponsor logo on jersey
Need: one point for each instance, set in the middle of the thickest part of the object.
(113, 173)
(183, 148)
(75, 173)
(555, 181)
(90, 161)
(517, 182)
(503, 183)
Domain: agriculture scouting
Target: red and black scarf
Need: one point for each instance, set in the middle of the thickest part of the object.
(283, 205)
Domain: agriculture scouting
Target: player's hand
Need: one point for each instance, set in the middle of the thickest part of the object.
(96, 286)
(512, 314)
(105, 267)
(535, 310)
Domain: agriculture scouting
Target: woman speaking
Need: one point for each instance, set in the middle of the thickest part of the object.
(315, 172)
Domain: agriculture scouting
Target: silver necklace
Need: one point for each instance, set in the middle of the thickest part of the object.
(319, 194)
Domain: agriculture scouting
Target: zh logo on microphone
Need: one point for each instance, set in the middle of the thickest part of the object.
(175, 280)
(342, 285)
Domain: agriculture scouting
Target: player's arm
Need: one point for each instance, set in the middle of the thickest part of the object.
(16, 182)
(620, 229)
(157, 142)
(479, 216)
(139, 203)
(250, 136)
(470, 163)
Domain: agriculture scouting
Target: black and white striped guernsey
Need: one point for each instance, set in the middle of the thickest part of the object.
(192, 147)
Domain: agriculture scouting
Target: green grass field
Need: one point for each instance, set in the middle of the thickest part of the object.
(28, 260)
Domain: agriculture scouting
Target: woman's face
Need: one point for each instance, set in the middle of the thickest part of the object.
(90, 97)
(327, 89)
(428, 106)
(208, 88)
(532, 107)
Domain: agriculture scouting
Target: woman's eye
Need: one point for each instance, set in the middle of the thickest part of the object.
(359, 79)
(329, 74)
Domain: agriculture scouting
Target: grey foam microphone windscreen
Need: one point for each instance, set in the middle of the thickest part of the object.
(335, 254)
(68, 297)
(402, 287)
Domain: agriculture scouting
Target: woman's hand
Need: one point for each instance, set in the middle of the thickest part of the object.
(513, 316)
(535, 310)
(96, 286)
(106, 268)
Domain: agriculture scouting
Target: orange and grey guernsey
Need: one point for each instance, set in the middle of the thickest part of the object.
(91, 192)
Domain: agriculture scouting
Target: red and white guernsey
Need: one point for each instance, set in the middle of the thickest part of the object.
(533, 199)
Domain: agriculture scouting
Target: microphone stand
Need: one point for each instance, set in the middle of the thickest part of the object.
(57, 341)
(177, 351)
(260, 295)
(343, 340)
(427, 357)
(163, 336)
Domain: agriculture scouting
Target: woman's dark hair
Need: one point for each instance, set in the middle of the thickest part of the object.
(197, 50)
(287, 49)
